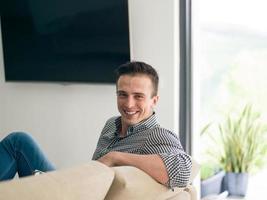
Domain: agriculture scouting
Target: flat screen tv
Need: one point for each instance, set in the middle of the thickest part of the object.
(64, 40)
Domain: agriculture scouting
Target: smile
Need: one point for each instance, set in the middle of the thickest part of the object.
(130, 113)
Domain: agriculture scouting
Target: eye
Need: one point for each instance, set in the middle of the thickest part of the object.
(139, 97)
(121, 95)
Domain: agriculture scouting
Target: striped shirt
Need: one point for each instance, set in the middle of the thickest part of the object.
(147, 137)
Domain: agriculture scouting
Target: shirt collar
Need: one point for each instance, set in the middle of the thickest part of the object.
(149, 123)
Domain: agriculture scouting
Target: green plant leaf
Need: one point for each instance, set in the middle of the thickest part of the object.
(241, 143)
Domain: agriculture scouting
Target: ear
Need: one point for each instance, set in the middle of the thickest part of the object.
(155, 100)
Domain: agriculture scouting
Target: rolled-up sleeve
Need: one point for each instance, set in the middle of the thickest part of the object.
(167, 145)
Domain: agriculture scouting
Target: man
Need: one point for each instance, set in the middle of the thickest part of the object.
(134, 138)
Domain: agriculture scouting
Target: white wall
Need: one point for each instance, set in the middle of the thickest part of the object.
(66, 119)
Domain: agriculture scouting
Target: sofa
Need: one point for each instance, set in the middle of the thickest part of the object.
(95, 181)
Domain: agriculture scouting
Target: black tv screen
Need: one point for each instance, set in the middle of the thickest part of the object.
(64, 40)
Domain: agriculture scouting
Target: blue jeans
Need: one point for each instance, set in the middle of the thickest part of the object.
(20, 153)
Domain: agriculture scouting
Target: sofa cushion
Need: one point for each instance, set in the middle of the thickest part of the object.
(88, 181)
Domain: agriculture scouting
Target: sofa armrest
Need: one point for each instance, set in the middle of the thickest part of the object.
(131, 183)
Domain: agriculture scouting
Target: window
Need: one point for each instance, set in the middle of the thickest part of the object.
(229, 62)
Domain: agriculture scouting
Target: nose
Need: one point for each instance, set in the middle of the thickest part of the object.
(130, 102)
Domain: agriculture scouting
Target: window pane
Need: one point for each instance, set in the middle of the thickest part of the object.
(230, 62)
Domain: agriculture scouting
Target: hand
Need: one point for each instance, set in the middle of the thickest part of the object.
(109, 159)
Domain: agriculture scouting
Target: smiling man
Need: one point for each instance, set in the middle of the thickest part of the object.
(135, 138)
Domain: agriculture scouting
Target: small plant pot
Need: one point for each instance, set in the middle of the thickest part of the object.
(212, 185)
(236, 183)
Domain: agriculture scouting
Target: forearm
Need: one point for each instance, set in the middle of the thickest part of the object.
(151, 164)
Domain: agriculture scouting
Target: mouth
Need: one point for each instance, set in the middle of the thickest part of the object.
(130, 113)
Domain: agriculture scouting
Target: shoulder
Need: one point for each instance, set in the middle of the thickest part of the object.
(163, 140)
(112, 120)
(162, 135)
(110, 124)
(162, 132)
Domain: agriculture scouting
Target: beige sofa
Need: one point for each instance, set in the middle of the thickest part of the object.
(93, 181)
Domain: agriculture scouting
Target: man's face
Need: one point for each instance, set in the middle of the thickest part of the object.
(134, 98)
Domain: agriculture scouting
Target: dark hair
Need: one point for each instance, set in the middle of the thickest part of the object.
(137, 67)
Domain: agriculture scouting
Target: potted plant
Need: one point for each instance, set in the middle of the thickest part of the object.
(240, 148)
(211, 179)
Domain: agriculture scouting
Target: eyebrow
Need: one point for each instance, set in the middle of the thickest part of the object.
(135, 93)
